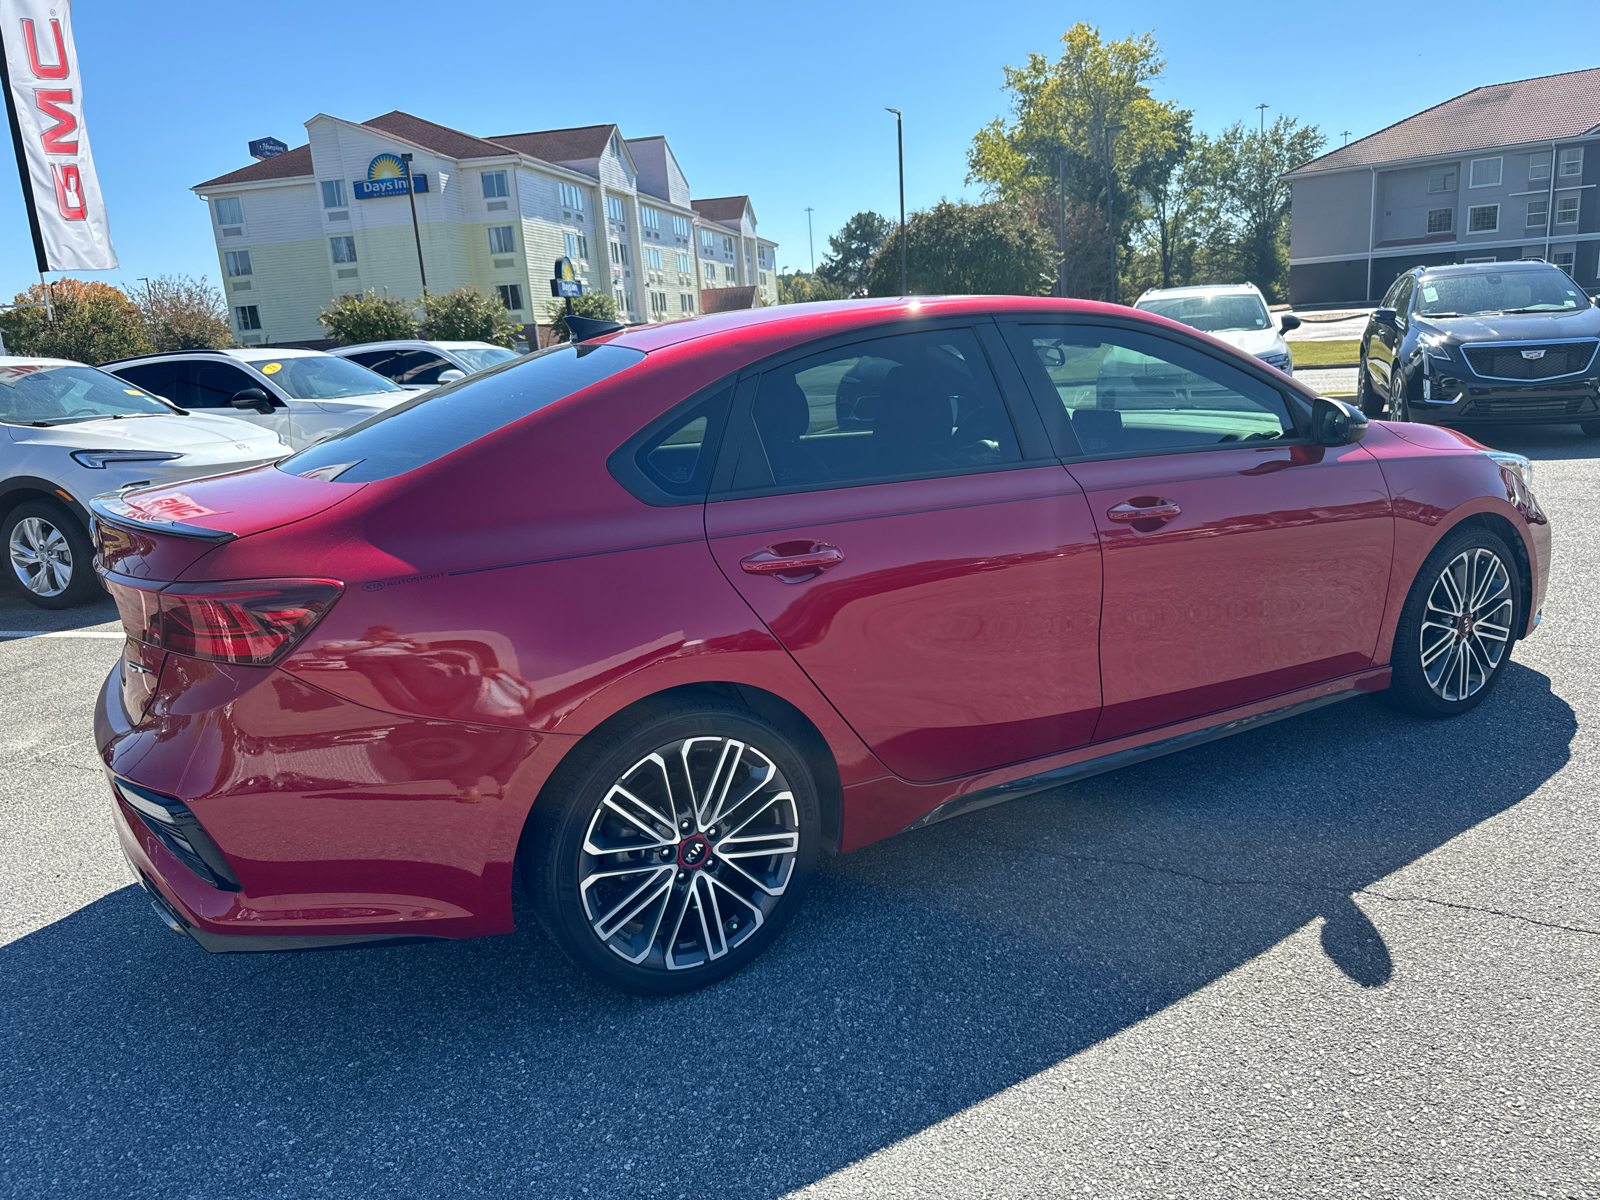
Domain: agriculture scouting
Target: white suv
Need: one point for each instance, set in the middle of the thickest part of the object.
(304, 395)
(68, 433)
(1235, 313)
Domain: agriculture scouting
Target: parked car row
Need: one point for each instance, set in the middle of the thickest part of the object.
(73, 432)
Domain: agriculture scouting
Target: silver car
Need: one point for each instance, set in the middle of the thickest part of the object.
(414, 363)
(1235, 313)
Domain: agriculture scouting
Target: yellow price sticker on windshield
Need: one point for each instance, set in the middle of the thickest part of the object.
(133, 391)
(271, 368)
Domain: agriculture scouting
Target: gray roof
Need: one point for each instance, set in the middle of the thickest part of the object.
(1502, 114)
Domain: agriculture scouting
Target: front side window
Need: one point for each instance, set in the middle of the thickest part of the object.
(333, 194)
(1525, 288)
(1571, 162)
(1212, 313)
(650, 218)
(614, 208)
(426, 428)
(910, 406)
(1485, 173)
(502, 239)
(1538, 212)
(1566, 210)
(1441, 220)
(1442, 179)
(510, 295)
(61, 395)
(237, 262)
(344, 249)
(215, 384)
(495, 185)
(247, 317)
(321, 377)
(229, 210)
(1125, 392)
(1483, 218)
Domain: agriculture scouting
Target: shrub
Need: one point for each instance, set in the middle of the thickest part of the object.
(466, 314)
(354, 319)
(602, 306)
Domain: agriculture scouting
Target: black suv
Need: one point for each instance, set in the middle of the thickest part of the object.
(1511, 342)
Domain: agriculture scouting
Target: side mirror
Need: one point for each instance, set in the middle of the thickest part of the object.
(1290, 321)
(1386, 316)
(1335, 423)
(253, 398)
(451, 376)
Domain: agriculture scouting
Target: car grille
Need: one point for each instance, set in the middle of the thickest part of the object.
(1507, 362)
(1582, 406)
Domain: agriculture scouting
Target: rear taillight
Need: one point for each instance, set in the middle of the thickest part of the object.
(253, 622)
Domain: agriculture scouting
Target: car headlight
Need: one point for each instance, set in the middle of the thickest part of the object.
(1435, 346)
(96, 460)
(1519, 465)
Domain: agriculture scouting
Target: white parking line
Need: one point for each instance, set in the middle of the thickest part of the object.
(61, 633)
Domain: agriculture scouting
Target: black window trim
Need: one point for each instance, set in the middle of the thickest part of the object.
(1295, 396)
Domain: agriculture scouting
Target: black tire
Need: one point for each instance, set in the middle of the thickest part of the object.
(63, 575)
(710, 869)
(1399, 402)
(1433, 675)
(1591, 428)
(1367, 400)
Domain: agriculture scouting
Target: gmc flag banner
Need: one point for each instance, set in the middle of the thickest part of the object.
(44, 98)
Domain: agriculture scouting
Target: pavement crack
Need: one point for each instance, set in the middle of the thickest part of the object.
(1478, 908)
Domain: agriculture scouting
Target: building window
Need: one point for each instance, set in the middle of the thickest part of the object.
(1441, 220)
(1483, 218)
(707, 242)
(571, 197)
(711, 272)
(1485, 173)
(510, 295)
(619, 254)
(577, 245)
(494, 185)
(238, 262)
(685, 302)
(1538, 167)
(1442, 179)
(1538, 213)
(658, 305)
(680, 225)
(652, 258)
(1484, 259)
(1566, 210)
(614, 208)
(1563, 259)
(247, 317)
(624, 299)
(502, 239)
(650, 218)
(728, 275)
(685, 263)
(727, 245)
(229, 210)
(1571, 161)
(763, 278)
(333, 194)
(344, 249)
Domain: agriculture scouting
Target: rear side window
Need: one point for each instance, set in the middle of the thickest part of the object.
(427, 428)
(670, 460)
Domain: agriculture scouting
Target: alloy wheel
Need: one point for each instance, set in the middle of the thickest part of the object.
(41, 556)
(1466, 624)
(689, 853)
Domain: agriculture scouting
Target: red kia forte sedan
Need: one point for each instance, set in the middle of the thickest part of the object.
(660, 616)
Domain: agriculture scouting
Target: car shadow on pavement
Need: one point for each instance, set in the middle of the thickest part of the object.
(1538, 442)
(925, 974)
(18, 616)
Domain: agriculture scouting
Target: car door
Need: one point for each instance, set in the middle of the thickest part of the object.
(941, 588)
(1384, 343)
(211, 387)
(158, 377)
(1241, 561)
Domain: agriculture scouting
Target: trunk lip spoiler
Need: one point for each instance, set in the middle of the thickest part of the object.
(123, 515)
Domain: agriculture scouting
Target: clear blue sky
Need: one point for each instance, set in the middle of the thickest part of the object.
(784, 102)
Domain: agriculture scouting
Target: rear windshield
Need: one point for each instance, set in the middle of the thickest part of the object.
(433, 424)
(1211, 314)
(1528, 289)
(322, 377)
(48, 395)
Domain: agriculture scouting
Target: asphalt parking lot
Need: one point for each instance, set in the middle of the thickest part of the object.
(1354, 953)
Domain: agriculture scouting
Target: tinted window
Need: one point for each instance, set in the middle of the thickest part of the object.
(919, 404)
(433, 424)
(1124, 392)
(216, 384)
(676, 454)
(156, 378)
(321, 377)
(1212, 314)
(58, 395)
(405, 366)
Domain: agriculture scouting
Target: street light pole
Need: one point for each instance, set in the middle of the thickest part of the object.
(1111, 137)
(900, 145)
(416, 230)
(810, 241)
(1061, 237)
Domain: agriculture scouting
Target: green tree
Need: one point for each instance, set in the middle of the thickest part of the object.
(1175, 215)
(93, 323)
(800, 288)
(602, 306)
(183, 313)
(1242, 172)
(467, 314)
(968, 249)
(850, 254)
(354, 319)
(1084, 126)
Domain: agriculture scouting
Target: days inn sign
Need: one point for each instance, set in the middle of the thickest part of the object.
(386, 176)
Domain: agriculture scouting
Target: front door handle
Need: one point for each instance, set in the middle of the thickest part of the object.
(1144, 508)
(792, 562)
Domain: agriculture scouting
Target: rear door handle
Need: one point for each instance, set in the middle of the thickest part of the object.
(1144, 508)
(801, 560)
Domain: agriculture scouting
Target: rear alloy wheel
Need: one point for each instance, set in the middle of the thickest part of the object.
(677, 850)
(1456, 631)
(1399, 406)
(49, 555)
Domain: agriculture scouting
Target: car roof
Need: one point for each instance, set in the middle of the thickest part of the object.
(1203, 289)
(1523, 264)
(245, 354)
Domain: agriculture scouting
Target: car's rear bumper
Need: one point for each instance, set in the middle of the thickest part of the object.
(1454, 400)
